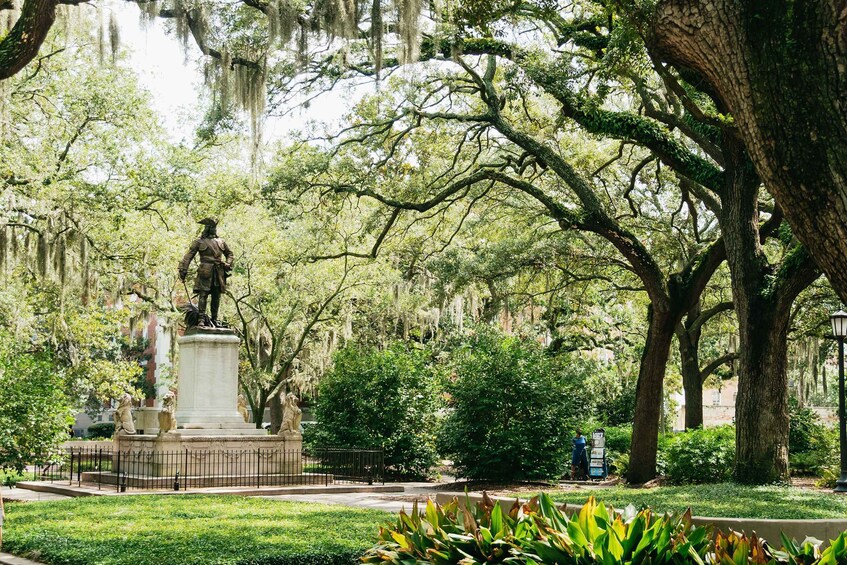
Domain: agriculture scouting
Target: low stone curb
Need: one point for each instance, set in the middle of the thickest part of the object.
(824, 529)
(70, 490)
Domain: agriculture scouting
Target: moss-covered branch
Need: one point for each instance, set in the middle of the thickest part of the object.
(22, 43)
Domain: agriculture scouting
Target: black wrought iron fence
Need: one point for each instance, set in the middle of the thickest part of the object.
(195, 469)
(351, 465)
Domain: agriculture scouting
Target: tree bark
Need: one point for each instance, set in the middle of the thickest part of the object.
(648, 394)
(25, 39)
(688, 338)
(763, 297)
(761, 409)
(780, 69)
(276, 413)
(259, 409)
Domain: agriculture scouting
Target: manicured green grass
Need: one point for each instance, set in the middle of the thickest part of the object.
(179, 530)
(721, 500)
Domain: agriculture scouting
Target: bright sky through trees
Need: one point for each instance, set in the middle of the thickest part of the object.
(176, 81)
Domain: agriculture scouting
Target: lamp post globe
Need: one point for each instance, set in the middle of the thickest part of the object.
(839, 330)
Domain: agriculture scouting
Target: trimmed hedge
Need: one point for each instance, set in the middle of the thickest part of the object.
(380, 398)
(103, 430)
(512, 409)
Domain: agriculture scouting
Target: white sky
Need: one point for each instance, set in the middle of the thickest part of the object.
(177, 84)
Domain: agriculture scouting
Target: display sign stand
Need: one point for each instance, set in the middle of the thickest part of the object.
(597, 459)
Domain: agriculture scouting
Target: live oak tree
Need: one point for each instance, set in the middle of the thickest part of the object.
(777, 69)
(738, 89)
(774, 69)
(703, 337)
(685, 131)
(713, 167)
(506, 155)
(67, 160)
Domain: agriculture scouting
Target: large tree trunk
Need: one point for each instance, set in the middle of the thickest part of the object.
(763, 297)
(761, 409)
(692, 384)
(648, 394)
(259, 409)
(276, 413)
(761, 406)
(780, 69)
(25, 39)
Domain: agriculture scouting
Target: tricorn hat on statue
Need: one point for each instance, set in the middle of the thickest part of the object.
(212, 222)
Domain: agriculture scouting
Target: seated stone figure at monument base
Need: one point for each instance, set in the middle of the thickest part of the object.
(291, 415)
(167, 418)
(242, 408)
(123, 416)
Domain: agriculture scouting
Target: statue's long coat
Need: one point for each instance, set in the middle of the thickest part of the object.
(211, 250)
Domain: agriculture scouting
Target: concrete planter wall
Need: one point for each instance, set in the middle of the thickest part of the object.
(799, 530)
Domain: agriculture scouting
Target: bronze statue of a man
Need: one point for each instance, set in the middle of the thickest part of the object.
(215, 266)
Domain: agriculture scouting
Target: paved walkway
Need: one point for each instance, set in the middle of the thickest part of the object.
(390, 502)
(29, 495)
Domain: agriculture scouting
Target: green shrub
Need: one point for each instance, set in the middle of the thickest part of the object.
(34, 411)
(812, 446)
(537, 532)
(701, 455)
(618, 441)
(374, 398)
(804, 427)
(102, 430)
(511, 409)
(618, 438)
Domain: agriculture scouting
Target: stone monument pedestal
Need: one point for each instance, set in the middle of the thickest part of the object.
(207, 386)
(211, 439)
(212, 459)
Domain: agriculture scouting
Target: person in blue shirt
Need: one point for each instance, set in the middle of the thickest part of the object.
(578, 456)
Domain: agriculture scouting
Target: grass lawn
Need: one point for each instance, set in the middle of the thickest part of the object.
(193, 529)
(721, 500)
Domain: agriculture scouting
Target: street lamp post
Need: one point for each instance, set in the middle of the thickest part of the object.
(839, 330)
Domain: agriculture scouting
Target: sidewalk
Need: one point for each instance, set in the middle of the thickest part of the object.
(26, 495)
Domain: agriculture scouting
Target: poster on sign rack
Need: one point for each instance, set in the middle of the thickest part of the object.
(597, 461)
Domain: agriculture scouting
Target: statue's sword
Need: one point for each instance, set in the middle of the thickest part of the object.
(188, 294)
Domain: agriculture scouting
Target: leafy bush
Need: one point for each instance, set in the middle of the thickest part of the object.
(102, 430)
(616, 407)
(618, 441)
(618, 438)
(812, 446)
(701, 455)
(537, 532)
(803, 428)
(386, 399)
(34, 412)
(511, 409)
